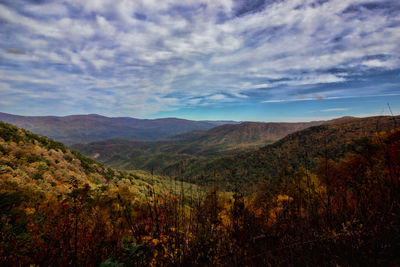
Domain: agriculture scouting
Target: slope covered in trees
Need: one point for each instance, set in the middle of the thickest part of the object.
(344, 213)
(300, 149)
(224, 139)
(35, 162)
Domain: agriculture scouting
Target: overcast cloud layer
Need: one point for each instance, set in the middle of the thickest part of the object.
(137, 58)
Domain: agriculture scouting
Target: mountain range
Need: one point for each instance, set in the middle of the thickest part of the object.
(195, 146)
(225, 154)
(90, 128)
(220, 140)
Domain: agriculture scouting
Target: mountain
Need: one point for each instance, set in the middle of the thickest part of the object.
(89, 128)
(299, 149)
(243, 135)
(229, 138)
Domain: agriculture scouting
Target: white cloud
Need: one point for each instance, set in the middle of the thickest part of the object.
(183, 49)
(217, 97)
(29, 24)
(317, 97)
(48, 9)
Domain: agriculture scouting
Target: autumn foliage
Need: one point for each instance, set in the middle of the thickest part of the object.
(343, 213)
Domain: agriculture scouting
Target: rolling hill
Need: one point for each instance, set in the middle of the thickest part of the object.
(224, 139)
(89, 128)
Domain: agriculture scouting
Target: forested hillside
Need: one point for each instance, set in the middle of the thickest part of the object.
(35, 162)
(300, 149)
(59, 208)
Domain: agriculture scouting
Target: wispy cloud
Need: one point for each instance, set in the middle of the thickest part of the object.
(321, 97)
(140, 57)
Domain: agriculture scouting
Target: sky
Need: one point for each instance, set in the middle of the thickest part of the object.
(255, 60)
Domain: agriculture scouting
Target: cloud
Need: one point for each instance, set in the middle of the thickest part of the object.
(217, 97)
(320, 97)
(172, 54)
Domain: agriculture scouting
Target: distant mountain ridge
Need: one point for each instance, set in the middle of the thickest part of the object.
(90, 128)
